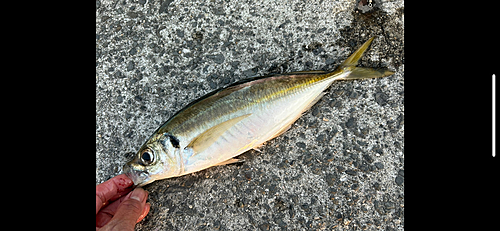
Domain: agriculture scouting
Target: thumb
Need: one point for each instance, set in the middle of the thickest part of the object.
(129, 211)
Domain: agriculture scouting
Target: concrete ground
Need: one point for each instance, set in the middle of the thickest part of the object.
(340, 166)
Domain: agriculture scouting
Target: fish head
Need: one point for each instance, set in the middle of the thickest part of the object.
(150, 163)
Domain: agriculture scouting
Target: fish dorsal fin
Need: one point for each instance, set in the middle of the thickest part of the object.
(208, 137)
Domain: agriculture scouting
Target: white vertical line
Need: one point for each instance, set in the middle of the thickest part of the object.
(493, 109)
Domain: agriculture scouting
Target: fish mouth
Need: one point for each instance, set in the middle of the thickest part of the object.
(139, 178)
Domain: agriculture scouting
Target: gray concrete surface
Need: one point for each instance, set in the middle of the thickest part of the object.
(340, 166)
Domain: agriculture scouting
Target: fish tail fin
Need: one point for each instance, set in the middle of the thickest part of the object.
(361, 72)
(353, 60)
(367, 73)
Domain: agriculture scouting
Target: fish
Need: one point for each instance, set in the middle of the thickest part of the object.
(223, 124)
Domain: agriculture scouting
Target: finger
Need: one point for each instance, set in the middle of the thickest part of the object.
(106, 214)
(129, 211)
(145, 212)
(111, 190)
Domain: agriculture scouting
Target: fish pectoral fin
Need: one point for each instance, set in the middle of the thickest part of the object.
(230, 161)
(208, 137)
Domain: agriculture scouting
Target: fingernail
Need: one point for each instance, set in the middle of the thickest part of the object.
(138, 194)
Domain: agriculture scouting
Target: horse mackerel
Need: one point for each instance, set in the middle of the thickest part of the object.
(223, 124)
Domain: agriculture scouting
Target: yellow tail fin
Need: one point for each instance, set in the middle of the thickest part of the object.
(361, 72)
(353, 60)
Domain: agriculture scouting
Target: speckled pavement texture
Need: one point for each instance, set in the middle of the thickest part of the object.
(340, 166)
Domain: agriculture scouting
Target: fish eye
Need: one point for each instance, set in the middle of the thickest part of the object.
(147, 156)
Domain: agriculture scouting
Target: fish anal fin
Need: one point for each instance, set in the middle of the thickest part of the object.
(208, 137)
(257, 148)
(230, 161)
(281, 131)
(289, 124)
(314, 101)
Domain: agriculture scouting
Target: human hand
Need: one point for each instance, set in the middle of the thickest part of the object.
(115, 212)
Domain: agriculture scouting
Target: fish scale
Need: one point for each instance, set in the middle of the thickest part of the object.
(225, 123)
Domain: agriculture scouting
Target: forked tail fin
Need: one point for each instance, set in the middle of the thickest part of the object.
(361, 72)
(353, 60)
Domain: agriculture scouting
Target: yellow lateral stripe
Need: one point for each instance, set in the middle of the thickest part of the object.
(286, 90)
